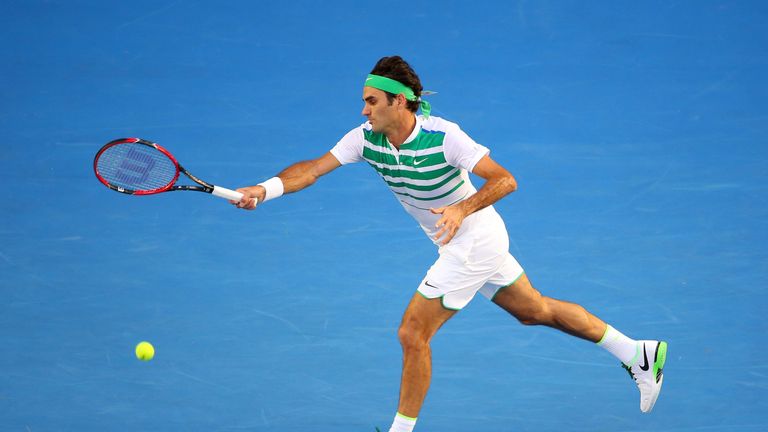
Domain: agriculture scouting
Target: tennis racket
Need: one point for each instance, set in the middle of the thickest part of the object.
(139, 167)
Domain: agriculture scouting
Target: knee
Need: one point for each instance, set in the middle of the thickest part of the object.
(412, 338)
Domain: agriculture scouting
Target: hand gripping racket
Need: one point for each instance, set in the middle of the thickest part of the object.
(139, 167)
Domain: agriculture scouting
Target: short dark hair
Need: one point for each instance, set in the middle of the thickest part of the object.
(396, 68)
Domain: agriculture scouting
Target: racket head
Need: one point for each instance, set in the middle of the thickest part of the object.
(135, 166)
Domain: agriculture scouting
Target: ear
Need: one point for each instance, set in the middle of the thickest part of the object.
(401, 100)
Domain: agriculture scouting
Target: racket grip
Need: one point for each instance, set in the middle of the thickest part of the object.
(227, 193)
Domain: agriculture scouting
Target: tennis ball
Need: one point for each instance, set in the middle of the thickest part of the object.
(145, 351)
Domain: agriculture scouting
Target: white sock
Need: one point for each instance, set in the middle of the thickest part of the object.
(624, 348)
(402, 424)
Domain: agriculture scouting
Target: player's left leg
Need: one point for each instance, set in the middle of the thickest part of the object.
(643, 359)
(527, 304)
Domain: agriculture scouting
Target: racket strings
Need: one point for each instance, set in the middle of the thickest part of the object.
(136, 167)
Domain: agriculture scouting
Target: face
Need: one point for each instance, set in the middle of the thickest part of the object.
(380, 114)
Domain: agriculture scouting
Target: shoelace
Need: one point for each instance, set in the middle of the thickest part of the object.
(629, 371)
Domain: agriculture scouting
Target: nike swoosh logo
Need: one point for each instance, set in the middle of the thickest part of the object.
(430, 285)
(646, 366)
(419, 162)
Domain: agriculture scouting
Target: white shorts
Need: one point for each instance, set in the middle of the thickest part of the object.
(476, 259)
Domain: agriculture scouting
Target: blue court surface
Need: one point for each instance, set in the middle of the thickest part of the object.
(638, 132)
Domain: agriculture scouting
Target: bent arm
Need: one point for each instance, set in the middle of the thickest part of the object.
(498, 184)
(294, 178)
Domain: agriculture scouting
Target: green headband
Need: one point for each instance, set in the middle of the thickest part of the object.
(396, 87)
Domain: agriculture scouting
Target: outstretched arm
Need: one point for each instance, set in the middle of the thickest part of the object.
(294, 178)
(498, 183)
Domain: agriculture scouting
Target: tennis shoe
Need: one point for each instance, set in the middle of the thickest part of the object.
(648, 372)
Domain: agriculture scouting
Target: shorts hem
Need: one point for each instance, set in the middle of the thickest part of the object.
(507, 285)
(442, 301)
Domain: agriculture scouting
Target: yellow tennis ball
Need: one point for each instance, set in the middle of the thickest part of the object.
(145, 351)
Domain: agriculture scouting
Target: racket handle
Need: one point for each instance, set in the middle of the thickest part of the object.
(227, 193)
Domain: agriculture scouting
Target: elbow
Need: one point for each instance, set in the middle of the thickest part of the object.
(510, 183)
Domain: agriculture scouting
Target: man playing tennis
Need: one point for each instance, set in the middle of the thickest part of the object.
(425, 161)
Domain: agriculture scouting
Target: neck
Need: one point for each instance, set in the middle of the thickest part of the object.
(403, 130)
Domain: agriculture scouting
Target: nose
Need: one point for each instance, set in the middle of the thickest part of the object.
(366, 110)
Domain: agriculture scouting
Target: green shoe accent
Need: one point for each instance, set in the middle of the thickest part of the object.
(661, 358)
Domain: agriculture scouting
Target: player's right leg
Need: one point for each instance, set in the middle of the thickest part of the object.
(421, 320)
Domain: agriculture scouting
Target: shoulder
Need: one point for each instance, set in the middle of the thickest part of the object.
(349, 149)
(438, 124)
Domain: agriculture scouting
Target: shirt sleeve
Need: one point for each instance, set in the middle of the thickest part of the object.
(462, 151)
(350, 148)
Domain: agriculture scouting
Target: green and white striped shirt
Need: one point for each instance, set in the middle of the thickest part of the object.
(429, 171)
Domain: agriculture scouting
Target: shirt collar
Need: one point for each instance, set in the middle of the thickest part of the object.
(415, 132)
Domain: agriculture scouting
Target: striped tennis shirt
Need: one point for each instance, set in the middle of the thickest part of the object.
(430, 169)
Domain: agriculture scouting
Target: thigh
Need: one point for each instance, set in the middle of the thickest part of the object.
(518, 297)
(507, 274)
(425, 316)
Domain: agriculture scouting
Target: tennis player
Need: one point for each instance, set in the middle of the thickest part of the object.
(425, 161)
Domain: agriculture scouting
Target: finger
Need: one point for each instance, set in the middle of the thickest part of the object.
(441, 222)
(437, 210)
(449, 236)
(244, 202)
(242, 191)
(451, 230)
(440, 233)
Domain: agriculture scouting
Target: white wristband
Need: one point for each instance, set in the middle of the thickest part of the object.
(274, 187)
